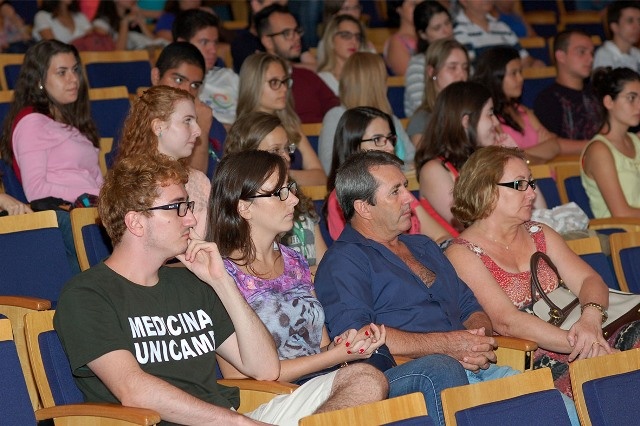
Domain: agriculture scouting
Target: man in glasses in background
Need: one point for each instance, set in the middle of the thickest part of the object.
(280, 35)
(141, 334)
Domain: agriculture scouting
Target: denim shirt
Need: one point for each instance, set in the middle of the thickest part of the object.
(360, 281)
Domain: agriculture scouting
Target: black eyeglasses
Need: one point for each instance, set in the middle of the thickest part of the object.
(288, 33)
(381, 141)
(275, 84)
(520, 184)
(282, 193)
(182, 207)
(348, 36)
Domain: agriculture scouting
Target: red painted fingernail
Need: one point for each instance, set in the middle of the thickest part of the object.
(339, 340)
(347, 344)
(349, 352)
(361, 351)
(366, 333)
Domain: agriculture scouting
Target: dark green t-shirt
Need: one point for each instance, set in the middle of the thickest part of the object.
(171, 328)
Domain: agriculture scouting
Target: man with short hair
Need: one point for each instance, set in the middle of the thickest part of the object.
(220, 88)
(280, 34)
(568, 108)
(374, 272)
(623, 21)
(146, 335)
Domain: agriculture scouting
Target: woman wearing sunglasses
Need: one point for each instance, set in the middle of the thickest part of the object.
(343, 36)
(265, 84)
(366, 128)
(163, 121)
(493, 198)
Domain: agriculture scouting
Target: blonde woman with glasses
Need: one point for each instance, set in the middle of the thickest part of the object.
(265, 84)
(343, 36)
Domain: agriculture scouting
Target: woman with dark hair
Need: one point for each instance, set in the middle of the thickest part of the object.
(366, 128)
(265, 132)
(500, 70)
(432, 22)
(402, 44)
(610, 162)
(463, 120)
(60, 20)
(252, 203)
(48, 134)
(123, 21)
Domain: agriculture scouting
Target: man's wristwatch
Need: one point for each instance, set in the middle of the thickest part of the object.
(603, 311)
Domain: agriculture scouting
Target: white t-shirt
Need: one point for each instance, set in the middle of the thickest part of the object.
(45, 20)
(220, 92)
(608, 55)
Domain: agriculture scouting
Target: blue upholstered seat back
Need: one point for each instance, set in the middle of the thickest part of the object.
(631, 267)
(538, 408)
(15, 405)
(12, 185)
(613, 400)
(58, 370)
(577, 194)
(96, 243)
(33, 263)
(132, 74)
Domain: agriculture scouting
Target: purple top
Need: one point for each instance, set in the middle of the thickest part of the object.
(286, 305)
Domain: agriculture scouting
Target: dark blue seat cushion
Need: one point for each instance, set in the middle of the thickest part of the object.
(538, 408)
(577, 194)
(414, 421)
(109, 74)
(613, 400)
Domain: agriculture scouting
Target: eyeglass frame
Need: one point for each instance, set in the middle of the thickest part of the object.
(287, 81)
(290, 31)
(175, 206)
(291, 187)
(348, 36)
(391, 138)
(514, 185)
(290, 148)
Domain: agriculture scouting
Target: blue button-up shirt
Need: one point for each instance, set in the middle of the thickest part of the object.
(360, 281)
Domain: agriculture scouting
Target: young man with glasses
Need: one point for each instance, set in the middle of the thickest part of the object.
(141, 334)
(280, 35)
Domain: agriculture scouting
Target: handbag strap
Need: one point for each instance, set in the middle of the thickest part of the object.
(556, 315)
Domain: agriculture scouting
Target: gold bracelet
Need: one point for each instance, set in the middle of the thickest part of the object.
(603, 311)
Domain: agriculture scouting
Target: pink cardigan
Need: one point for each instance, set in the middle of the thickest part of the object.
(54, 159)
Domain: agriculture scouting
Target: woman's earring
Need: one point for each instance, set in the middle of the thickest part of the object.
(433, 78)
(41, 87)
(160, 133)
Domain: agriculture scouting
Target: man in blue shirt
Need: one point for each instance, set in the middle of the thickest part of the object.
(376, 273)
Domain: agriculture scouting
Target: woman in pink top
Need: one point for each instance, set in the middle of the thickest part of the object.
(366, 128)
(402, 45)
(49, 135)
(500, 70)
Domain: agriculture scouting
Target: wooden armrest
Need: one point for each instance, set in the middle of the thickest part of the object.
(401, 359)
(34, 303)
(260, 385)
(141, 416)
(515, 343)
